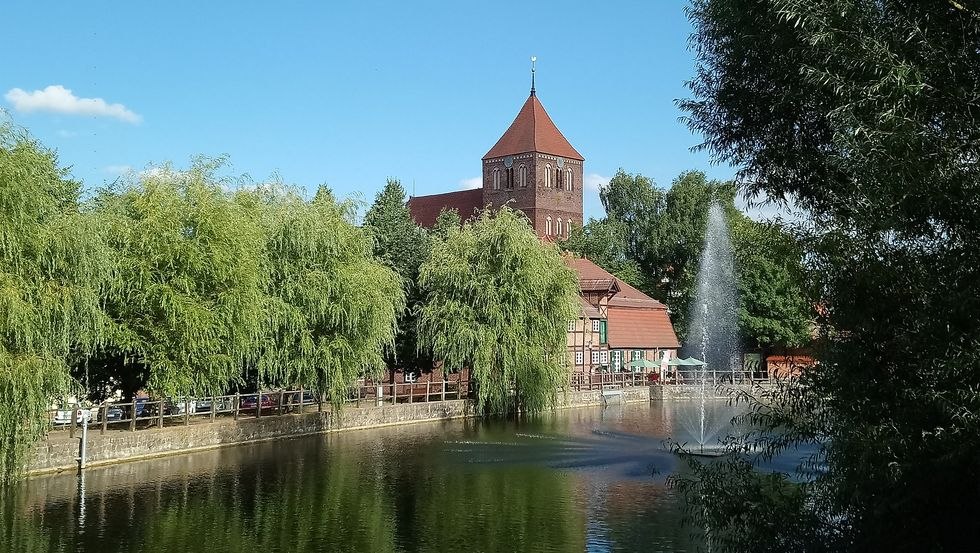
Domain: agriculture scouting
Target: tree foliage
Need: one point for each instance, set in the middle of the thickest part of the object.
(187, 301)
(330, 307)
(402, 245)
(51, 275)
(499, 302)
(867, 118)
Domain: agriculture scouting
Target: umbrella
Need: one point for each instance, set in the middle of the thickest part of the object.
(690, 361)
(644, 363)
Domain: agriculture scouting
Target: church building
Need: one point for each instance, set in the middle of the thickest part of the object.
(535, 168)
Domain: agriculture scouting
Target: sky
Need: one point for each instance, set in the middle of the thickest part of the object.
(348, 93)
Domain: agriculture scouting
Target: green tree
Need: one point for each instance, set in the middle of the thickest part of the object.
(867, 119)
(603, 241)
(186, 303)
(499, 302)
(402, 245)
(51, 275)
(330, 307)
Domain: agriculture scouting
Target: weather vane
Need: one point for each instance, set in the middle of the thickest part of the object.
(533, 59)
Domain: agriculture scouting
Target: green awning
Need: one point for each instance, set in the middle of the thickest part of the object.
(690, 361)
(646, 363)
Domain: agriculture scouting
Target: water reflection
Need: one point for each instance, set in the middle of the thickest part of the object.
(578, 480)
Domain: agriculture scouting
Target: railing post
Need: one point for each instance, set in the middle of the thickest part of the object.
(132, 417)
(394, 394)
(258, 405)
(214, 407)
(105, 417)
(427, 388)
(72, 423)
(160, 415)
(279, 410)
(442, 394)
(300, 400)
(237, 402)
(187, 412)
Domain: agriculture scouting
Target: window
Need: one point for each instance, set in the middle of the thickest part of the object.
(568, 179)
(617, 359)
(558, 179)
(579, 358)
(604, 357)
(637, 354)
(547, 176)
(568, 227)
(496, 179)
(571, 326)
(602, 332)
(558, 227)
(595, 325)
(510, 178)
(522, 176)
(547, 231)
(595, 357)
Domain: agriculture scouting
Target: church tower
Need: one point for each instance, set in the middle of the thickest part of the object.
(535, 169)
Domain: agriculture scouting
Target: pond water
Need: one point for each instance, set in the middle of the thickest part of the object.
(588, 479)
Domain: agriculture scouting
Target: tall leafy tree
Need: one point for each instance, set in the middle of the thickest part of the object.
(187, 305)
(330, 306)
(51, 275)
(499, 301)
(867, 118)
(401, 244)
(603, 241)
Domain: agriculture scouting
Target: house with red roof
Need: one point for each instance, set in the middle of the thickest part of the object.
(535, 169)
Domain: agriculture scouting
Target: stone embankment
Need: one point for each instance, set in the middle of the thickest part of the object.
(58, 452)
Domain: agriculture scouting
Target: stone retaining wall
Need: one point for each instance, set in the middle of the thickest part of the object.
(672, 392)
(58, 452)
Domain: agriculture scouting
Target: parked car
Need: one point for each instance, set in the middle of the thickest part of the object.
(112, 413)
(202, 406)
(152, 408)
(64, 416)
(292, 399)
(248, 403)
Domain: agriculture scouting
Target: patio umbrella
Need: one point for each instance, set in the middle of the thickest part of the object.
(646, 363)
(689, 362)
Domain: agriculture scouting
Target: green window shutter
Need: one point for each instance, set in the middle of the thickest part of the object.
(602, 332)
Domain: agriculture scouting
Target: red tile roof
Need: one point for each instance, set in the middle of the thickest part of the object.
(635, 319)
(533, 131)
(640, 327)
(425, 209)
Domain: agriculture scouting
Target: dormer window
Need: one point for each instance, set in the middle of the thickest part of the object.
(547, 176)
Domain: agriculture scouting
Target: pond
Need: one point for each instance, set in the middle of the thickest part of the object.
(587, 479)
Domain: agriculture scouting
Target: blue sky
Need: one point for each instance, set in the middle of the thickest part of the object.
(348, 93)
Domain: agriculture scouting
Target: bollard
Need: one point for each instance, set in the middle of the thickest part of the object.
(379, 396)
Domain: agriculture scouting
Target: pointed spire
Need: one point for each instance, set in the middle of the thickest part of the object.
(533, 59)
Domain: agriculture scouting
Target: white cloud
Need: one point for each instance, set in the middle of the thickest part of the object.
(595, 181)
(58, 99)
(470, 184)
(117, 169)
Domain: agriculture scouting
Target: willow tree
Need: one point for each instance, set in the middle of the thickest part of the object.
(499, 302)
(187, 303)
(50, 277)
(330, 308)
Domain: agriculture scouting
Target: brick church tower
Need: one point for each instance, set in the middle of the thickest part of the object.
(536, 170)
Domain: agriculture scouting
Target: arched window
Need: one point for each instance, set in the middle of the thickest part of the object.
(568, 228)
(522, 176)
(558, 183)
(558, 228)
(496, 179)
(547, 228)
(510, 178)
(547, 176)
(568, 179)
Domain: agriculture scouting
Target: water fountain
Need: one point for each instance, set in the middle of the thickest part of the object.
(713, 332)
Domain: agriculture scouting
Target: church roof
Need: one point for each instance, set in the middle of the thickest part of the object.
(533, 131)
(425, 209)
